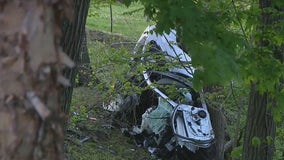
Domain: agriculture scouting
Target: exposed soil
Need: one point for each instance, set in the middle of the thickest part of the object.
(114, 40)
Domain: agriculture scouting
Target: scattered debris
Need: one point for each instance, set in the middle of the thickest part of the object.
(172, 124)
(85, 139)
(107, 126)
(92, 118)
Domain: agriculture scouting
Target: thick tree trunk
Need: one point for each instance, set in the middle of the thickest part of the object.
(84, 58)
(218, 123)
(218, 120)
(71, 42)
(84, 67)
(30, 75)
(259, 126)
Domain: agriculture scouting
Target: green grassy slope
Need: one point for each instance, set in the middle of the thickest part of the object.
(88, 121)
(124, 23)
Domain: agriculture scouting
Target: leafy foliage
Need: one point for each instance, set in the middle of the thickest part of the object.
(89, 136)
(279, 144)
(222, 38)
(237, 153)
(229, 40)
(205, 31)
(256, 141)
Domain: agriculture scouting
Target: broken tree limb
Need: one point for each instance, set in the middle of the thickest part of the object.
(39, 106)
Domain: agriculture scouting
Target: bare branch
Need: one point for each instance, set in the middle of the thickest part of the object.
(39, 106)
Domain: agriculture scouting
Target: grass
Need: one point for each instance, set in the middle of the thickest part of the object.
(125, 24)
(109, 63)
(87, 117)
(106, 142)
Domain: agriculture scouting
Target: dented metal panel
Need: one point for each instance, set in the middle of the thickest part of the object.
(191, 124)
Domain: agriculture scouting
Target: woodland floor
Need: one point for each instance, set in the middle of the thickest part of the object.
(91, 133)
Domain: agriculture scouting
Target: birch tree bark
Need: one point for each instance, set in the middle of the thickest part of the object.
(31, 64)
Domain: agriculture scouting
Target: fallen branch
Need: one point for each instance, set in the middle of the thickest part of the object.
(41, 109)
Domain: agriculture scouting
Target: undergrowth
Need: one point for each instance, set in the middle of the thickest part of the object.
(91, 134)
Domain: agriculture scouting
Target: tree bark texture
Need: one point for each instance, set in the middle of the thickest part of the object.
(218, 124)
(31, 63)
(84, 67)
(259, 125)
(84, 58)
(71, 42)
(218, 120)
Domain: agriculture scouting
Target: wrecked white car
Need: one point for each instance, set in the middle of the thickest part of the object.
(171, 118)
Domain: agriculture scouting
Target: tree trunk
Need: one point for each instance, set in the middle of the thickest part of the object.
(218, 120)
(259, 126)
(71, 42)
(84, 67)
(218, 124)
(30, 75)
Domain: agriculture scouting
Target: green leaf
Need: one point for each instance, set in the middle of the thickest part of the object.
(237, 152)
(269, 140)
(256, 141)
